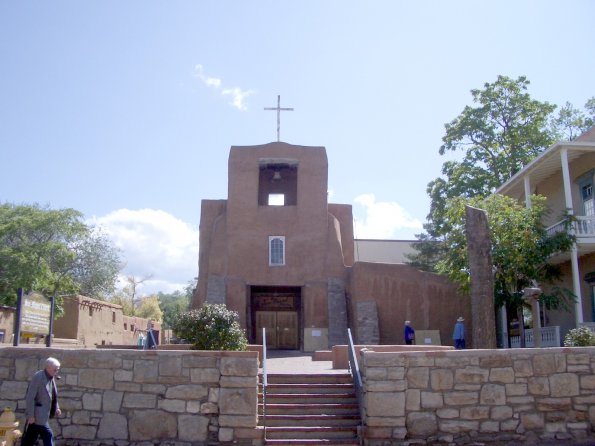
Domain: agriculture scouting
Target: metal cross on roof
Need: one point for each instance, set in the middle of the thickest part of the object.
(279, 109)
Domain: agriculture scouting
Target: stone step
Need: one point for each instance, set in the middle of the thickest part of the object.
(313, 442)
(311, 409)
(307, 398)
(317, 378)
(311, 432)
(310, 420)
(309, 388)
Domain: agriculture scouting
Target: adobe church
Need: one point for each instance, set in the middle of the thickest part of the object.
(277, 252)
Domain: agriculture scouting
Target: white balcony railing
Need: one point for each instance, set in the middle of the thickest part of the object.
(583, 227)
(550, 337)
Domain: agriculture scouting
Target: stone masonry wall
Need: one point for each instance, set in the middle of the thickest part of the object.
(130, 397)
(479, 396)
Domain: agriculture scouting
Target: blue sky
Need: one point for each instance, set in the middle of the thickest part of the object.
(126, 110)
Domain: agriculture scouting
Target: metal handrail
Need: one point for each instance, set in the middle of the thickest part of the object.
(264, 381)
(357, 378)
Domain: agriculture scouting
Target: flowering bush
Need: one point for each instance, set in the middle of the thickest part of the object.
(211, 327)
(579, 337)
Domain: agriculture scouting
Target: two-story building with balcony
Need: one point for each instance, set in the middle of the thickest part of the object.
(565, 175)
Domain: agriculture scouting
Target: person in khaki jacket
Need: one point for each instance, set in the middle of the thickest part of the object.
(42, 404)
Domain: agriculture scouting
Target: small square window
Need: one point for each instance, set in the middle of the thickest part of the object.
(276, 199)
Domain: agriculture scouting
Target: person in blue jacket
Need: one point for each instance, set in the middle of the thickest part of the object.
(458, 334)
(409, 333)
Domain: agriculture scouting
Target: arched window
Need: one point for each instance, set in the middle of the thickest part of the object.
(276, 250)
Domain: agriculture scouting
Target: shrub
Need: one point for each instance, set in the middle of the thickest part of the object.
(211, 327)
(579, 337)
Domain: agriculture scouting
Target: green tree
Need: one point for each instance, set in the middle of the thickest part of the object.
(172, 305)
(149, 308)
(503, 132)
(429, 249)
(211, 327)
(119, 298)
(128, 297)
(521, 248)
(96, 265)
(54, 252)
(571, 122)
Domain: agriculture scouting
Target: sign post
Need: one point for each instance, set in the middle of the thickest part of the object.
(48, 339)
(17, 319)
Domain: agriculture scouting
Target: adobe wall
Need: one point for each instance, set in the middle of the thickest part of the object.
(344, 214)
(401, 292)
(479, 396)
(135, 397)
(94, 322)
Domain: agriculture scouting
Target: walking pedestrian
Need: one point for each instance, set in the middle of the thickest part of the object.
(41, 404)
(459, 334)
(409, 333)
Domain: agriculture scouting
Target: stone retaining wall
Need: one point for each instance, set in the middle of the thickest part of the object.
(479, 396)
(132, 397)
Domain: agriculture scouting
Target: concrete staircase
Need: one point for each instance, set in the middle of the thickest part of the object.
(310, 409)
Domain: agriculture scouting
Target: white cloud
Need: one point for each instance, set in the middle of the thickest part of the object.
(382, 219)
(238, 96)
(208, 81)
(154, 243)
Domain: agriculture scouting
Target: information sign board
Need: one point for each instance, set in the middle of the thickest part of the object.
(36, 311)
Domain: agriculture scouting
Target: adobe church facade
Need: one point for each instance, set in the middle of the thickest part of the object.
(283, 257)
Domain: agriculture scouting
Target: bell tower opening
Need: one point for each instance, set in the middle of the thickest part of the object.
(277, 183)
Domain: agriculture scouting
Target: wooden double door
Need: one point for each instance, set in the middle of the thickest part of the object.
(281, 329)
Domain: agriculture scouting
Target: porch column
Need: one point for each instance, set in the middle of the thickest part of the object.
(576, 281)
(576, 284)
(527, 181)
(566, 179)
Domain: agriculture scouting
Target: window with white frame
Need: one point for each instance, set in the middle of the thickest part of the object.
(276, 250)
(585, 183)
(587, 193)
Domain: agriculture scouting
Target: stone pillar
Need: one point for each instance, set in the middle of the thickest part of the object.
(215, 289)
(531, 296)
(482, 281)
(504, 326)
(337, 312)
(367, 323)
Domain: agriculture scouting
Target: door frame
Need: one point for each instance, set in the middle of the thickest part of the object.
(273, 298)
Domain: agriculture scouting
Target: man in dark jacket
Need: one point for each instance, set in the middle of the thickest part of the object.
(42, 404)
